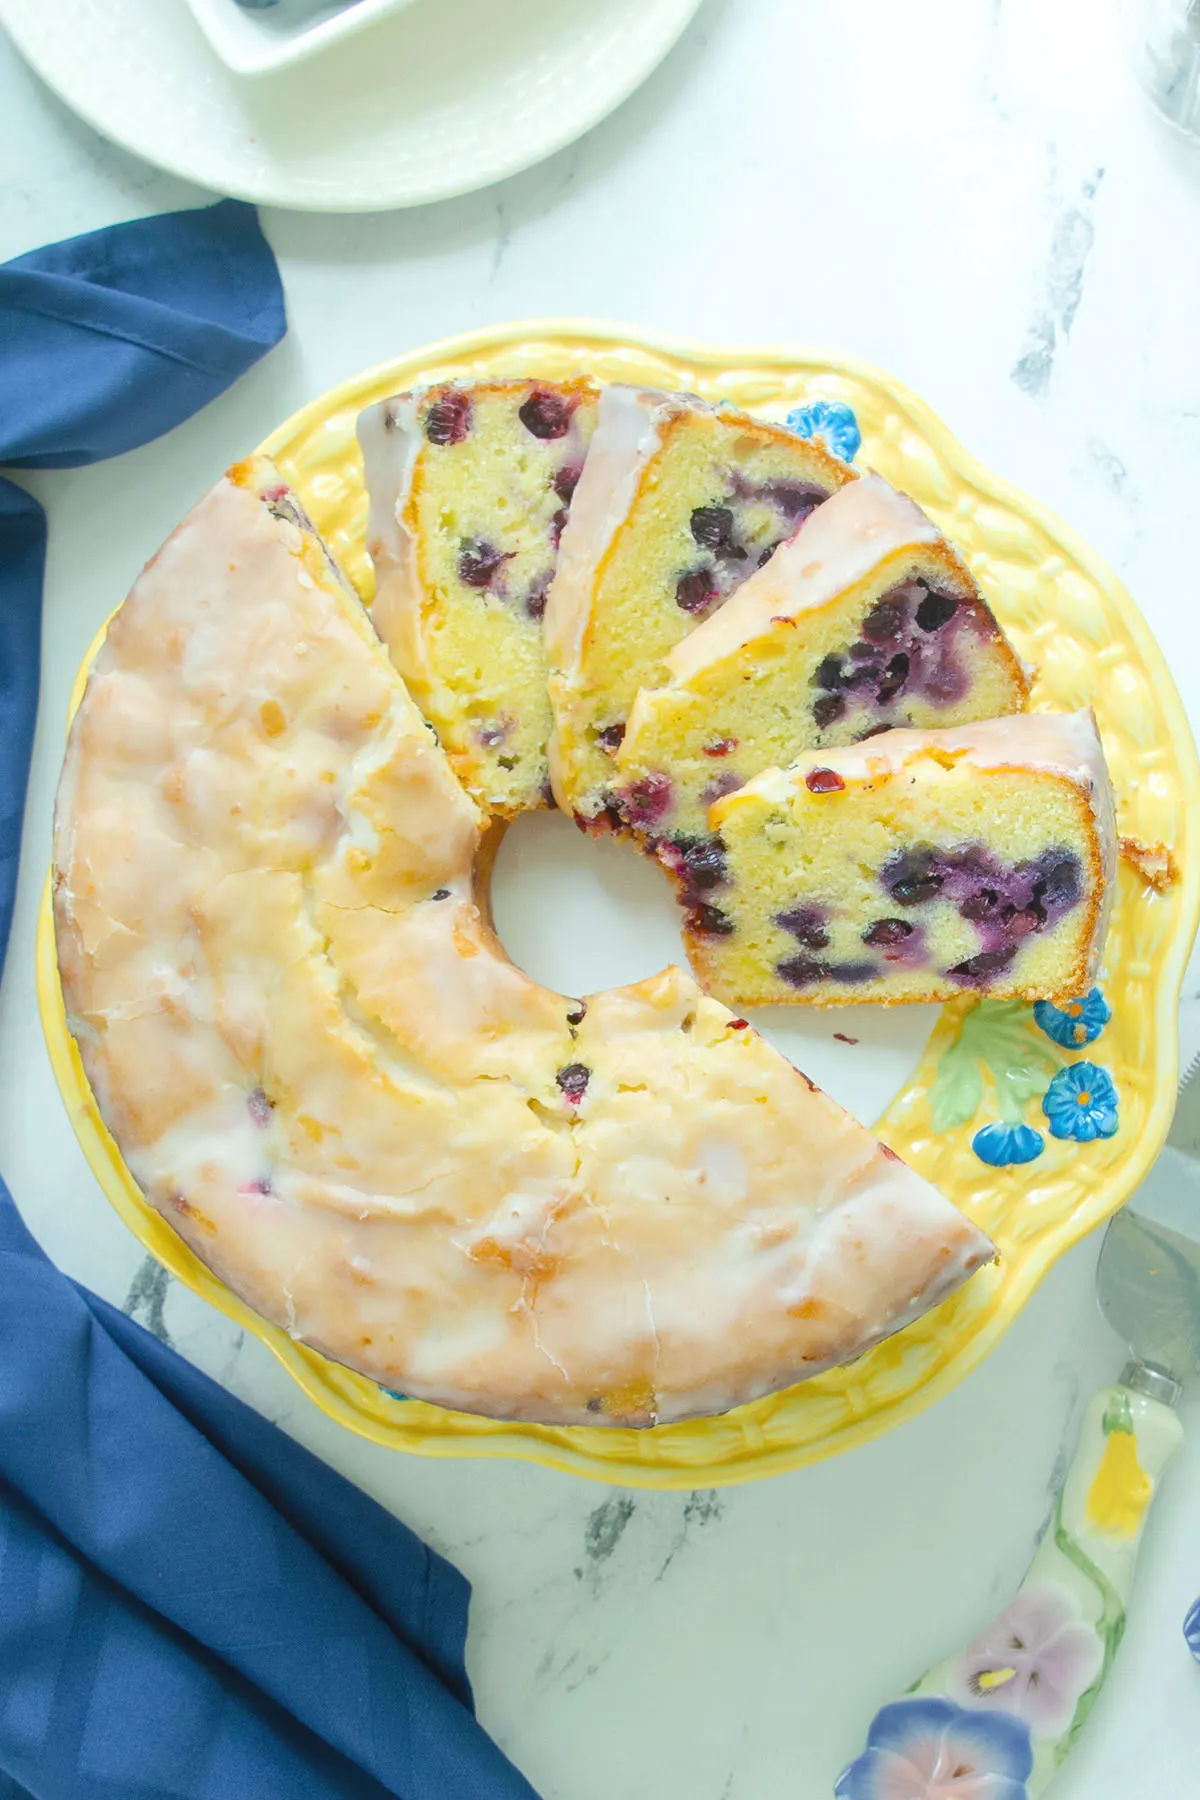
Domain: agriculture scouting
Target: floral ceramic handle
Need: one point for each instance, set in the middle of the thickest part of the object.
(995, 1722)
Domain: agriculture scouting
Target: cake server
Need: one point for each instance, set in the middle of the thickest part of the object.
(996, 1720)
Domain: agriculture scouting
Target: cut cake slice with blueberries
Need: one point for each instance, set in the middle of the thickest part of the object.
(470, 487)
(864, 620)
(679, 502)
(917, 866)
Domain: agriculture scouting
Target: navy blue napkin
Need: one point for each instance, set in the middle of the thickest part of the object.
(106, 341)
(191, 1606)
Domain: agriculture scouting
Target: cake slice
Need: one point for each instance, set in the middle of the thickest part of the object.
(678, 503)
(917, 866)
(470, 487)
(865, 619)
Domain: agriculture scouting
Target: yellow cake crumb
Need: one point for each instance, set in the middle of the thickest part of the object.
(471, 487)
(892, 872)
(678, 504)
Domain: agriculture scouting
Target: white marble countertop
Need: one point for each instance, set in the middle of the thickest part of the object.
(972, 194)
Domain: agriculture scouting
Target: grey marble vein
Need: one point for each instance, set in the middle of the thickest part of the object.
(702, 1508)
(229, 1366)
(590, 1668)
(605, 1527)
(504, 232)
(147, 1297)
(1032, 371)
(1072, 237)
(1109, 465)
(990, 45)
(1070, 247)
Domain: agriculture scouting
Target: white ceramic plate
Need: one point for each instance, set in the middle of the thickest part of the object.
(445, 97)
(258, 36)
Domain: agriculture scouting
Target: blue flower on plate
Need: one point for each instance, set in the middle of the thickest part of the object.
(926, 1749)
(1081, 1102)
(1077, 1023)
(1001, 1145)
(832, 420)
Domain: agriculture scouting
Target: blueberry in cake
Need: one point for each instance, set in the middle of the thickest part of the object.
(864, 620)
(919, 865)
(679, 502)
(470, 487)
(271, 916)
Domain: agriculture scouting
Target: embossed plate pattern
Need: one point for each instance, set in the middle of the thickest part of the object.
(1070, 617)
(442, 98)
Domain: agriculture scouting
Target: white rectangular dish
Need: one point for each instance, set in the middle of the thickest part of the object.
(258, 39)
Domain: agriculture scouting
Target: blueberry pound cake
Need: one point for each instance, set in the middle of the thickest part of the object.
(864, 620)
(470, 488)
(917, 866)
(270, 898)
(679, 502)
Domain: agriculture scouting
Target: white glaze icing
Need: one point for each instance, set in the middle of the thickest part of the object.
(390, 439)
(357, 1111)
(839, 544)
(1065, 744)
(629, 424)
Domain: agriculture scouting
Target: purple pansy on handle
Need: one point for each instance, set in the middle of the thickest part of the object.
(1077, 1023)
(831, 420)
(1081, 1103)
(1034, 1660)
(928, 1749)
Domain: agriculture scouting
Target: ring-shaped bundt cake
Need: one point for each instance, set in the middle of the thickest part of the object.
(270, 898)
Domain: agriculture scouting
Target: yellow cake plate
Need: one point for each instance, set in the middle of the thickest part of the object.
(1068, 616)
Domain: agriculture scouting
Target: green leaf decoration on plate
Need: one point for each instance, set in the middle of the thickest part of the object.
(1109, 1626)
(994, 1037)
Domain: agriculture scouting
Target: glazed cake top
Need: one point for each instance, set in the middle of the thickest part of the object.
(1063, 744)
(321, 1068)
(846, 539)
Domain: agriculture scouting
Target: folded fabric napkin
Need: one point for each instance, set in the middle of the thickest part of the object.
(191, 1606)
(106, 341)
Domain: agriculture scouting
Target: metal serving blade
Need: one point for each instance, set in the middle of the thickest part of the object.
(1149, 1275)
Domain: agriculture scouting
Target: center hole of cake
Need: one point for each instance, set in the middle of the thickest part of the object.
(578, 913)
